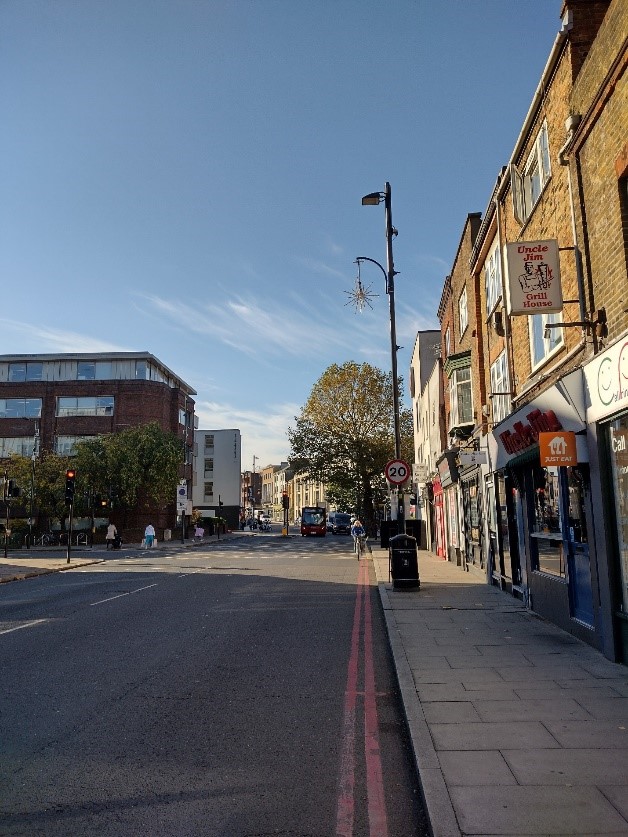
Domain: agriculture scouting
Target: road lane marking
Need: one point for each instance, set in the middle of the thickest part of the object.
(121, 595)
(25, 625)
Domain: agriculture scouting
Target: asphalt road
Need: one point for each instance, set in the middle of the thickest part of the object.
(241, 690)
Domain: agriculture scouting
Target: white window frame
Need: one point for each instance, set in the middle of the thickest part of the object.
(500, 404)
(448, 342)
(463, 311)
(493, 278)
(85, 405)
(455, 385)
(550, 344)
(527, 184)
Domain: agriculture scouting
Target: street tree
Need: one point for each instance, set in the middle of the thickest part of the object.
(137, 465)
(344, 434)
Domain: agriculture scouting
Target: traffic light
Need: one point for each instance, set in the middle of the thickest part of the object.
(413, 499)
(285, 500)
(70, 476)
(13, 489)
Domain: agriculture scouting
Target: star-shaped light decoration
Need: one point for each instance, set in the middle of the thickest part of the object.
(359, 295)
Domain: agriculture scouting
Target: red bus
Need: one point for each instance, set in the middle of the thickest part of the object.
(313, 521)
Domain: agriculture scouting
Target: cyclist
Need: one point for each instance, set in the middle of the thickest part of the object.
(359, 534)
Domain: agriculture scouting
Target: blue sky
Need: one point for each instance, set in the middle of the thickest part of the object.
(185, 177)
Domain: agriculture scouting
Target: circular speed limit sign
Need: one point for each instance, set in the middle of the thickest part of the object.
(397, 471)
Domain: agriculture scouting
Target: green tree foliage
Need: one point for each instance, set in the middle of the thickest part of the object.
(47, 479)
(141, 463)
(345, 433)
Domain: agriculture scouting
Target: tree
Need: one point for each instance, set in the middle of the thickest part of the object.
(140, 464)
(47, 479)
(345, 433)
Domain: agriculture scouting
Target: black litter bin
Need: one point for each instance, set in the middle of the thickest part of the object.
(403, 561)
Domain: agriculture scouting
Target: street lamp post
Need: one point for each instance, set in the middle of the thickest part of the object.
(373, 199)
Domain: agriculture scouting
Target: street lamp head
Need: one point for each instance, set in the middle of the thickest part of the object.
(373, 199)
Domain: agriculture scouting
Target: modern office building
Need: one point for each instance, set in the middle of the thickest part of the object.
(61, 399)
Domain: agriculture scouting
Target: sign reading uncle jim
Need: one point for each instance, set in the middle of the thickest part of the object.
(533, 271)
(606, 380)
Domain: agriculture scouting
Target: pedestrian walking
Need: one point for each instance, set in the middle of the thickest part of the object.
(111, 535)
(149, 535)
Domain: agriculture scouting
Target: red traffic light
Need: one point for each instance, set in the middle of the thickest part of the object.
(70, 474)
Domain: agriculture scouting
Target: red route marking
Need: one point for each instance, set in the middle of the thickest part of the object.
(346, 801)
(378, 823)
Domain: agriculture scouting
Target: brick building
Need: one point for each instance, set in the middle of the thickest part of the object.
(545, 280)
(65, 398)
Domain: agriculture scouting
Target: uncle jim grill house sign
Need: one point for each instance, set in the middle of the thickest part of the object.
(533, 270)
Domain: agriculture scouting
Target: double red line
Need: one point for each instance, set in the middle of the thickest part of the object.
(378, 824)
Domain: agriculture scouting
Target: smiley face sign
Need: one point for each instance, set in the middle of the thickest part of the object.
(607, 381)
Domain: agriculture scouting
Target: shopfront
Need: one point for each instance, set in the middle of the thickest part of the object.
(449, 478)
(543, 508)
(437, 519)
(606, 381)
(472, 510)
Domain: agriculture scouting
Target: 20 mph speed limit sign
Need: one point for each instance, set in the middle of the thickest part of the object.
(397, 471)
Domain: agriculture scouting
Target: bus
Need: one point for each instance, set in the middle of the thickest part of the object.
(313, 521)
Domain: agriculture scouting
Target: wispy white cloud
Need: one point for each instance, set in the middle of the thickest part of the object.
(271, 331)
(264, 432)
(45, 339)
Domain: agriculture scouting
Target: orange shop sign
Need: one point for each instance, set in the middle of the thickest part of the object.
(558, 448)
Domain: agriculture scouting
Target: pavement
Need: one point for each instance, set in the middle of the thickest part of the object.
(517, 728)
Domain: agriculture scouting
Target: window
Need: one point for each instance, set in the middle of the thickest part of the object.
(463, 311)
(66, 445)
(543, 342)
(460, 398)
(99, 405)
(208, 491)
(182, 418)
(493, 278)
(209, 467)
(20, 408)
(546, 523)
(447, 342)
(16, 446)
(499, 384)
(90, 370)
(141, 370)
(527, 185)
(25, 371)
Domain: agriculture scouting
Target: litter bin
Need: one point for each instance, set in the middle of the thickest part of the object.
(403, 561)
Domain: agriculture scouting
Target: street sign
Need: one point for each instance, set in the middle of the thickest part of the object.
(471, 458)
(397, 471)
(182, 497)
(419, 473)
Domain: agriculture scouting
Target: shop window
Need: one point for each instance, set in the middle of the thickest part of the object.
(546, 532)
(618, 449)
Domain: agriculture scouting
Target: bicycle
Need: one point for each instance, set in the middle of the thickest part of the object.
(359, 545)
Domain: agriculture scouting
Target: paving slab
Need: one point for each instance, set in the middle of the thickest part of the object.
(518, 728)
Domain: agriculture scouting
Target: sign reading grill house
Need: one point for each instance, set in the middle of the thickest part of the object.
(533, 270)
